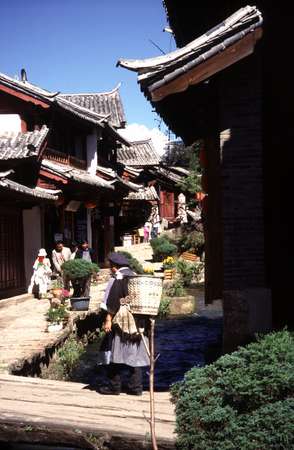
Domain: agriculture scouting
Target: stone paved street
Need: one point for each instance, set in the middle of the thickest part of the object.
(23, 326)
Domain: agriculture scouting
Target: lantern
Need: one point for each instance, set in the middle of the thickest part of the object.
(200, 196)
(90, 204)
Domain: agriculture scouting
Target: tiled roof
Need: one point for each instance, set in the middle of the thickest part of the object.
(22, 145)
(145, 193)
(108, 104)
(26, 87)
(133, 170)
(140, 153)
(71, 173)
(153, 73)
(80, 111)
(36, 192)
(129, 184)
(98, 108)
(168, 173)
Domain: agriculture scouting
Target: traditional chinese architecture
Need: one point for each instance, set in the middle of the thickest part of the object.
(142, 164)
(224, 87)
(58, 178)
(20, 201)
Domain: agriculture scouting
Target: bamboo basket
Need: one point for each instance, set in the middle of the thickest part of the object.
(145, 294)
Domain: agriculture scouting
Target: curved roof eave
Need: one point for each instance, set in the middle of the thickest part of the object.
(160, 62)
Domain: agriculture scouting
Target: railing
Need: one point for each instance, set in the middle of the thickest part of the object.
(63, 158)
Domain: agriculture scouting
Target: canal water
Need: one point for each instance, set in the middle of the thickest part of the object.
(181, 343)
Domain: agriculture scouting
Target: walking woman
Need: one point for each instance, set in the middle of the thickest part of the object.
(122, 347)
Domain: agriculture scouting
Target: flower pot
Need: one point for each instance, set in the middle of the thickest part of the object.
(57, 292)
(55, 327)
(79, 303)
(169, 274)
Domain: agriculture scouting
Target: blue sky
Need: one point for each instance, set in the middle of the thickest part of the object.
(73, 45)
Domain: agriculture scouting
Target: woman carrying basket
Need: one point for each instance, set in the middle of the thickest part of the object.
(122, 346)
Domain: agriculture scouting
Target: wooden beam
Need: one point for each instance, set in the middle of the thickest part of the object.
(23, 96)
(205, 70)
(52, 176)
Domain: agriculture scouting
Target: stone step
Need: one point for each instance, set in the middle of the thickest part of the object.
(15, 300)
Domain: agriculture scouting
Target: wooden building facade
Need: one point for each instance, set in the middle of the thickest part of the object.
(225, 88)
(58, 166)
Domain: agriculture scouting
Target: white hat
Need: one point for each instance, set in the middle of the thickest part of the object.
(42, 252)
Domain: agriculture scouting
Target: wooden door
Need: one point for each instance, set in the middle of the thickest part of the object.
(167, 205)
(12, 279)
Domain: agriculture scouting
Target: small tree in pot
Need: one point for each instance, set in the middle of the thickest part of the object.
(79, 272)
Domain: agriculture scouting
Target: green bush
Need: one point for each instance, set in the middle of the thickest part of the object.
(192, 241)
(79, 268)
(175, 289)
(186, 271)
(134, 264)
(68, 356)
(56, 315)
(162, 247)
(243, 401)
(164, 307)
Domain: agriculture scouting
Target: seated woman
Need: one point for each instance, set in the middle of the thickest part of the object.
(41, 276)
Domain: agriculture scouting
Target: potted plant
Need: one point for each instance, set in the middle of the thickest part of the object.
(56, 287)
(79, 272)
(168, 265)
(56, 316)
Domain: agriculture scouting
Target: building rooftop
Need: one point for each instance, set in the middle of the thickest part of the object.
(107, 104)
(78, 175)
(140, 153)
(156, 73)
(37, 192)
(21, 145)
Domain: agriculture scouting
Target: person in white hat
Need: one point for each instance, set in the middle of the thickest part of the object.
(41, 276)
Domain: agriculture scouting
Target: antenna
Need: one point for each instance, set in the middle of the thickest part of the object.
(155, 45)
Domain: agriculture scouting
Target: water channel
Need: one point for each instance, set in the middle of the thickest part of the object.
(182, 343)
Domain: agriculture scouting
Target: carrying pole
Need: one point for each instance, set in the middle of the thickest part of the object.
(151, 386)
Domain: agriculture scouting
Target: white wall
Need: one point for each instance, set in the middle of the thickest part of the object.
(92, 157)
(32, 239)
(10, 123)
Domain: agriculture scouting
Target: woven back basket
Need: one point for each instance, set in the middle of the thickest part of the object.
(145, 294)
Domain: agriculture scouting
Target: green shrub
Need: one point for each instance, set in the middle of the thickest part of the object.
(243, 401)
(58, 314)
(134, 264)
(162, 247)
(68, 356)
(79, 268)
(186, 271)
(175, 289)
(192, 241)
(164, 307)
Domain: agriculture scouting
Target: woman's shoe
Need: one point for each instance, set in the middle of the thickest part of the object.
(131, 392)
(106, 390)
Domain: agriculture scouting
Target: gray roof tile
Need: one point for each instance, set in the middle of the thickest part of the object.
(144, 193)
(108, 104)
(81, 176)
(156, 72)
(140, 153)
(36, 192)
(22, 145)
(26, 87)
